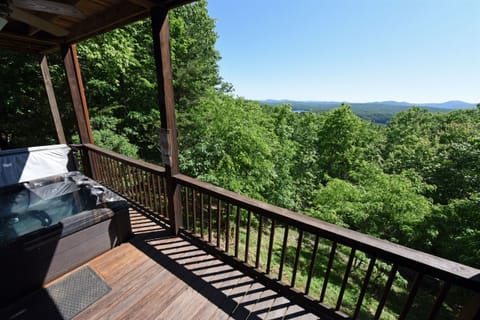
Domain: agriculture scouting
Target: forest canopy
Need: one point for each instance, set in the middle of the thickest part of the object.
(414, 181)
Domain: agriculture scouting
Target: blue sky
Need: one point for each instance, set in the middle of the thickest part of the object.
(350, 50)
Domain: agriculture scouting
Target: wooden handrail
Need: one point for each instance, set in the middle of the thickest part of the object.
(153, 168)
(460, 274)
(142, 183)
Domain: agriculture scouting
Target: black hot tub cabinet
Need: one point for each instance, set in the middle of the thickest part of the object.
(50, 226)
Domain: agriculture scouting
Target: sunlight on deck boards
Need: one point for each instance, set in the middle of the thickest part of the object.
(157, 276)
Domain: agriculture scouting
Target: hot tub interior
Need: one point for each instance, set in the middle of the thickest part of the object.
(43, 203)
(51, 225)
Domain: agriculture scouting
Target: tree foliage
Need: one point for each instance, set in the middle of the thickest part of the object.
(231, 142)
(388, 206)
(23, 102)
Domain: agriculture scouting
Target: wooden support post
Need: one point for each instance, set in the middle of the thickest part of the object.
(47, 80)
(168, 135)
(74, 79)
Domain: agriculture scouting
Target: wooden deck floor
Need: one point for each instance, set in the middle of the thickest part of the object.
(157, 276)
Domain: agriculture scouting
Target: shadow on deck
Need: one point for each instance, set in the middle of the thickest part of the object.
(159, 276)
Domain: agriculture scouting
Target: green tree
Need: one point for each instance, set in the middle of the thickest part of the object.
(344, 141)
(305, 170)
(24, 104)
(442, 148)
(279, 121)
(230, 142)
(194, 57)
(388, 206)
(457, 230)
(120, 74)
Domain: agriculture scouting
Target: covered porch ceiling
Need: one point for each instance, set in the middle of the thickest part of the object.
(40, 26)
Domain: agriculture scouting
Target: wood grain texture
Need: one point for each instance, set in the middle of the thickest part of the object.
(72, 70)
(47, 80)
(53, 7)
(161, 50)
(159, 276)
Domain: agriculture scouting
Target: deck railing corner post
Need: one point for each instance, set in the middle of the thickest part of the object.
(168, 137)
(88, 163)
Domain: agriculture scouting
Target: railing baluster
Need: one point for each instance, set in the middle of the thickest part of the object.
(327, 271)
(284, 251)
(111, 173)
(270, 246)
(161, 198)
(388, 286)
(297, 258)
(109, 176)
(116, 174)
(247, 243)
(187, 207)
(94, 157)
(139, 185)
(219, 222)
(209, 219)
(194, 210)
(237, 231)
(202, 225)
(138, 177)
(411, 296)
(148, 192)
(127, 180)
(165, 198)
(98, 171)
(227, 228)
(345, 279)
(364, 287)
(259, 242)
(144, 188)
(131, 180)
(155, 192)
(438, 302)
(122, 177)
(105, 176)
(312, 264)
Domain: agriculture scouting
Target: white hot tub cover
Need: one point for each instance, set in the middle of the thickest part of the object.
(26, 164)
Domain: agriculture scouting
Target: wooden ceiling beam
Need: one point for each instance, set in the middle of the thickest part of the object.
(143, 3)
(37, 22)
(116, 16)
(171, 4)
(52, 7)
(27, 39)
(33, 32)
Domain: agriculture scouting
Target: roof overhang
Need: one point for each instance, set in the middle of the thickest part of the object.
(31, 29)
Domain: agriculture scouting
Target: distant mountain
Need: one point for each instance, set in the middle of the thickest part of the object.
(454, 104)
(379, 112)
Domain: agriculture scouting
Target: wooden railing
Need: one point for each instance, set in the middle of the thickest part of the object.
(329, 270)
(142, 183)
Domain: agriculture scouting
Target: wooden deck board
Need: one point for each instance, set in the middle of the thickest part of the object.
(157, 276)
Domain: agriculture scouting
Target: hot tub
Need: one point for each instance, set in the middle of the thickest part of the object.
(51, 225)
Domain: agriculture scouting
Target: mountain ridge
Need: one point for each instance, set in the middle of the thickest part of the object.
(378, 112)
(451, 104)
